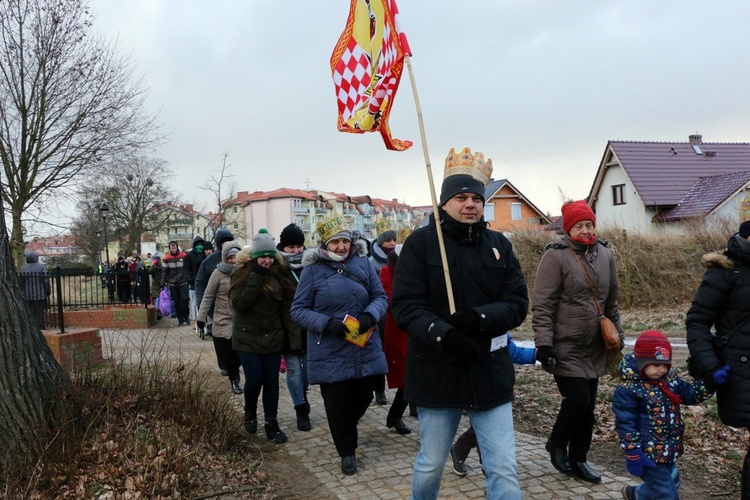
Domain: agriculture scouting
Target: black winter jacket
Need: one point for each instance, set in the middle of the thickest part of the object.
(723, 301)
(486, 278)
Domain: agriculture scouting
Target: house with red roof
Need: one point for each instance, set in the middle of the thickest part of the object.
(657, 186)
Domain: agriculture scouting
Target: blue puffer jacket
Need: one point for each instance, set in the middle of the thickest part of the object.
(646, 419)
(322, 294)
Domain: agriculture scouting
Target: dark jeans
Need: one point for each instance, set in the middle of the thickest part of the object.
(261, 372)
(465, 443)
(345, 403)
(181, 298)
(398, 406)
(575, 421)
(227, 358)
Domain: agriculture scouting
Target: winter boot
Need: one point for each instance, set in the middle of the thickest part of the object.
(251, 422)
(273, 431)
(236, 386)
(303, 416)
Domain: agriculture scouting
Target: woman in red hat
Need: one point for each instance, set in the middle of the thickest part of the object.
(575, 273)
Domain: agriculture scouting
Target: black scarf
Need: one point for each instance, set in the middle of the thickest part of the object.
(462, 232)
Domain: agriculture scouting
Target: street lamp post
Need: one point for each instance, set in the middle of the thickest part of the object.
(99, 246)
(103, 209)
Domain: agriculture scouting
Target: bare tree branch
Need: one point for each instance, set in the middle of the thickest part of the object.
(68, 103)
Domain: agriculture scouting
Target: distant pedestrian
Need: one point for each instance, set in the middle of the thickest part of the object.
(176, 279)
(35, 287)
(190, 267)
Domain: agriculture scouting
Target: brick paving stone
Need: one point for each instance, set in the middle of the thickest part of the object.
(384, 458)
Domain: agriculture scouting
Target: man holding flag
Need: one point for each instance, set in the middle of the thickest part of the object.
(460, 360)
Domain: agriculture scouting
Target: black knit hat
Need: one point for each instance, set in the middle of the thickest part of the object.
(290, 236)
(745, 229)
(460, 183)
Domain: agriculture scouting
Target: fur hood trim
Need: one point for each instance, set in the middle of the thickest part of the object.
(718, 259)
(312, 256)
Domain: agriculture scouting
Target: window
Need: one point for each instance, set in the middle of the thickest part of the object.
(235, 226)
(234, 209)
(489, 212)
(618, 194)
(515, 211)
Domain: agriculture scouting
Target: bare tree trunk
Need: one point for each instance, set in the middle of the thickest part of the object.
(32, 384)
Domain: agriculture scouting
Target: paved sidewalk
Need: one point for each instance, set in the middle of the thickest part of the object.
(384, 457)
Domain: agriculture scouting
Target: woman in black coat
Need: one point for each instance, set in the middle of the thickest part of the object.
(723, 301)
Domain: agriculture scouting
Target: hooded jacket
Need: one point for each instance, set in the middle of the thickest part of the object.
(565, 315)
(217, 296)
(33, 277)
(192, 262)
(721, 301)
(262, 324)
(646, 419)
(487, 279)
(208, 265)
(324, 294)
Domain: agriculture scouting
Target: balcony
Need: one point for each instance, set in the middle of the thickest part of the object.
(321, 211)
(300, 210)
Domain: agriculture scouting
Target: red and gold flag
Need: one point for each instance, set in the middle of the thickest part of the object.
(367, 64)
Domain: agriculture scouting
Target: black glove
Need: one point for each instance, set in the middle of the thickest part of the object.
(460, 345)
(336, 328)
(366, 321)
(546, 356)
(201, 324)
(466, 321)
(262, 271)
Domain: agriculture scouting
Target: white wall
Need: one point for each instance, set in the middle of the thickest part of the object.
(632, 216)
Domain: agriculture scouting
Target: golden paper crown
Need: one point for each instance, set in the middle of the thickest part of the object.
(384, 225)
(468, 164)
(331, 226)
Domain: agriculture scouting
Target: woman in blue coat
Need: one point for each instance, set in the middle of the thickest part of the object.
(338, 280)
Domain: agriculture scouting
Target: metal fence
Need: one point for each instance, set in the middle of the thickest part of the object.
(86, 290)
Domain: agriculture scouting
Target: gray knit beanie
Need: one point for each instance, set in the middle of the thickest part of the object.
(385, 236)
(263, 244)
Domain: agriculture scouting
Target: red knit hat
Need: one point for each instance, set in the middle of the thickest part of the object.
(652, 347)
(574, 212)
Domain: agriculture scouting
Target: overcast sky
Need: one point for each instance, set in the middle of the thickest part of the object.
(537, 86)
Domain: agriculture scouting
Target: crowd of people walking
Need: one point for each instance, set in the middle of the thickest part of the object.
(431, 314)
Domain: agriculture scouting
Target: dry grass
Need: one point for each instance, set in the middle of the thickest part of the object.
(654, 271)
(149, 430)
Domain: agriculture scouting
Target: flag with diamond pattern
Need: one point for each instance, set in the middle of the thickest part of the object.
(367, 63)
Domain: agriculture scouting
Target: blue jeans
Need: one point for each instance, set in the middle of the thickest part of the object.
(296, 377)
(494, 429)
(662, 483)
(261, 372)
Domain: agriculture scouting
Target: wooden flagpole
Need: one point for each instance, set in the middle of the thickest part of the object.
(436, 214)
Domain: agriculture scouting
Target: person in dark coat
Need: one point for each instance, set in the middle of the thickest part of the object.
(190, 267)
(395, 341)
(338, 281)
(261, 294)
(722, 301)
(291, 247)
(459, 360)
(35, 287)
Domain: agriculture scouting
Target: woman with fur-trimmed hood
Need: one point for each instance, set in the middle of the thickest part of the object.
(338, 280)
(723, 302)
(261, 294)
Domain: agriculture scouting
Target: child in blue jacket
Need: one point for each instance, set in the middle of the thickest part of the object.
(468, 440)
(647, 415)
